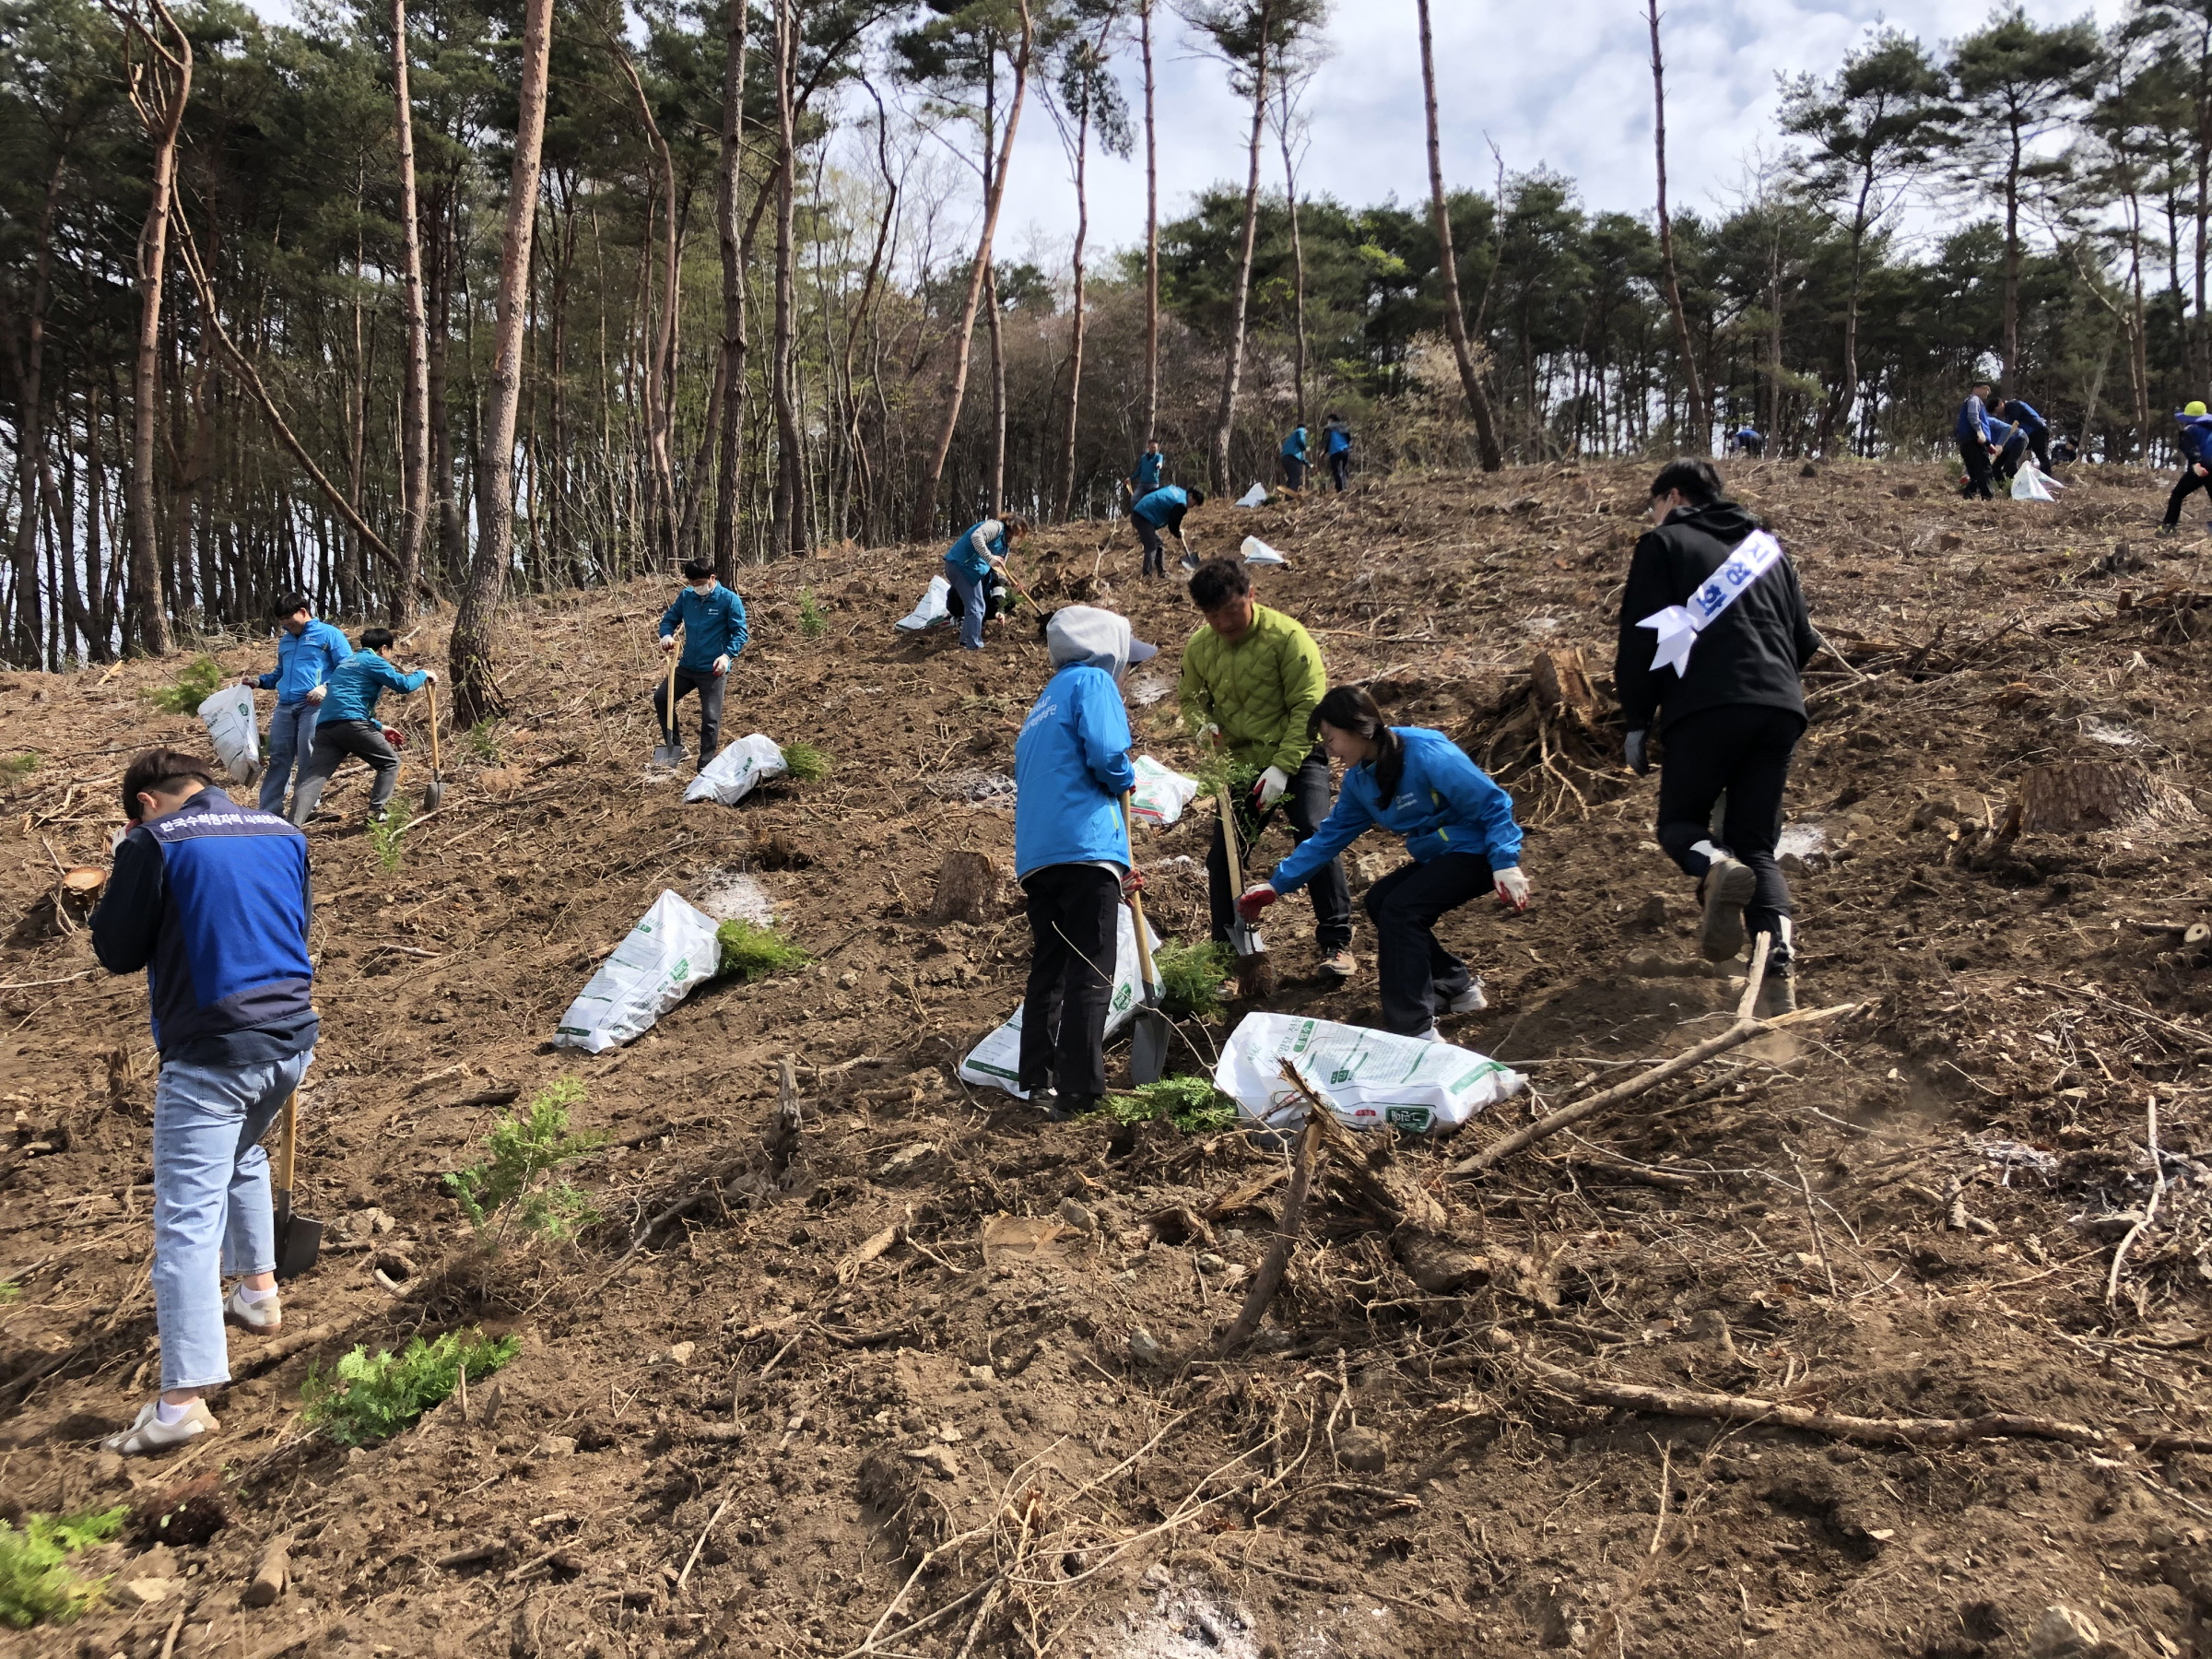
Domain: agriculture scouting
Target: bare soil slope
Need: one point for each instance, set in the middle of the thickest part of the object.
(744, 1437)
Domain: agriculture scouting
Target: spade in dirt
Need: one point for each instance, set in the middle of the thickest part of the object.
(1149, 1030)
(1255, 974)
(436, 791)
(298, 1239)
(671, 749)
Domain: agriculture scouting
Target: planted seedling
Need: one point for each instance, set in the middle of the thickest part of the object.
(1193, 1104)
(805, 763)
(37, 1583)
(814, 621)
(369, 1398)
(1191, 977)
(750, 951)
(514, 1186)
(388, 835)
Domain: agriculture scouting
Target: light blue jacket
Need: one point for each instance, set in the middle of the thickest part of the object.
(362, 679)
(1294, 446)
(1445, 804)
(1071, 768)
(966, 555)
(714, 627)
(304, 661)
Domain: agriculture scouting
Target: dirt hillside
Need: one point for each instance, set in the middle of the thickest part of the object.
(733, 1429)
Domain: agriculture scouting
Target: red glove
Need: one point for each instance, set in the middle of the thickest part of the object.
(1133, 883)
(395, 737)
(1255, 901)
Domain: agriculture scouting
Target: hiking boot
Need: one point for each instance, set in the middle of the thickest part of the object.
(1778, 991)
(1728, 887)
(1470, 1001)
(265, 1316)
(1067, 1106)
(149, 1435)
(2170, 529)
(1340, 965)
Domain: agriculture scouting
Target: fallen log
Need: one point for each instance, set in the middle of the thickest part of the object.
(1270, 1276)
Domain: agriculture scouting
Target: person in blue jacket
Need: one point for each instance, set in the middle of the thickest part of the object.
(1749, 441)
(2194, 440)
(712, 618)
(1337, 445)
(982, 548)
(1145, 475)
(1971, 429)
(1072, 853)
(1294, 459)
(2023, 415)
(212, 900)
(1459, 831)
(2007, 448)
(307, 654)
(349, 726)
(1163, 508)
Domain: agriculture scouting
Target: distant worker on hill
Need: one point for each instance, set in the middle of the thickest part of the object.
(307, 652)
(1252, 678)
(1072, 852)
(2065, 450)
(1459, 831)
(1971, 429)
(1163, 508)
(2195, 442)
(981, 551)
(1294, 459)
(1145, 477)
(1337, 445)
(713, 619)
(1714, 635)
(2023, 415)
(1749, 441)
(349, 726)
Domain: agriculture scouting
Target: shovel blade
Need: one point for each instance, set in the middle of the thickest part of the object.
(431, 796)
(1148, 1047)
(299, 1241)
(667, 754)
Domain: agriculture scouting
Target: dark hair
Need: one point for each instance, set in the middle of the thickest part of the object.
(697, 568)
(1198, 496)
(1332, 414)
(377, 639)
(1353, 709)
(1982, 385)
(291, 605)
(1216, 581)
(157, 772)
(1696, 480)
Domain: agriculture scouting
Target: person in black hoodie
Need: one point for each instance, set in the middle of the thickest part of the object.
(1730, 715)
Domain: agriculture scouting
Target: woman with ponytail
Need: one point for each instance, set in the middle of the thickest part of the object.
(1459, 830)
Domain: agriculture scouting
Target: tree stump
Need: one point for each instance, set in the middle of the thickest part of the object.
(2071, 797)
(1561, 677)
(968, 888)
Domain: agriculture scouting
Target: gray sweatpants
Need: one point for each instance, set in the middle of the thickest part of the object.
(335, 739)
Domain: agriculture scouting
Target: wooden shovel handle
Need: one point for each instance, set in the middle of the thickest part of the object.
(435, 766)
(1228, 839)
(289, 1143)
(1136, 902)
(670, 723)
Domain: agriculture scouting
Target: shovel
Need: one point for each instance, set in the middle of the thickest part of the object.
(436, 791)
(1148, 1033)
(298, 1239)
(1255, 974)
(671, 748)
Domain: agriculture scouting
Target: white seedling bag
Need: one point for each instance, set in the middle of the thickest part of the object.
(1367, 1078)
(669, 954)
(1254, 497)
(1160, 793)
(730, 776)
(2032, 484)
(228, 716)
(996, 1062)
(933, 610)
(1258, 552)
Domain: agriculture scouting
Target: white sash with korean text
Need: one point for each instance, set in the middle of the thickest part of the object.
(1678, 625)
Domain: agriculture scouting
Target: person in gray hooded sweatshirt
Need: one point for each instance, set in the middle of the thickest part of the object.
(1072, 853)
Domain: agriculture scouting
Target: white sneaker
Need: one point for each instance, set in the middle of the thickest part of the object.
(1470, 1001)
(1431, 1035)
(150, 1434)
(265, 1316)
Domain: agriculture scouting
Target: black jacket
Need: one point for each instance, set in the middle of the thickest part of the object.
(1752, 653)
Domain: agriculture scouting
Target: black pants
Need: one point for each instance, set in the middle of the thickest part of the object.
(1294, 473)
(2040, 443)
(1976, 454)
(1418, 975)
(1745, 750)
(1156, 550)
(2006, 467)
(1072, 937)
(335, 739)
(2189, 481)
(709, 687)
(1305, 804)
(1340, 468)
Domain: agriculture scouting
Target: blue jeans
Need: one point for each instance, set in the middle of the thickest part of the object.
(973, 603)
(291, 735)
(212, 1209)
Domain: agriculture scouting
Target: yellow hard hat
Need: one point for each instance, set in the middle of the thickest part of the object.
(2196, 407)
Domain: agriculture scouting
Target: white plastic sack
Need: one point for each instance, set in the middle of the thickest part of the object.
(669, 954)
(1160, 793)
(933, 610)
(2032, 484)
(228, 716)
(1367, 1078)
(1254, 497)
(731, 775)
(1256, 551)
(996, 1062)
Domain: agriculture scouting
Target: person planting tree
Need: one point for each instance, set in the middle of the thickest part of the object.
(1252, 678)
(349, 725)
(1971, 429)
(2194, 440)
(2028, 419)
(1072, 853)
(981, 549)
(1714, 635)
(712, 618)
(1158, 510)
(1459, 831)
(1294, 458)
(1337, 445)
(307, 652)
(212, 900)
(1145, 475)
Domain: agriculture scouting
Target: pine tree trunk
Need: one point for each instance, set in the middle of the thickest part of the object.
(791, 483)
(30, 433)
(1144, 19)
(659, 381)
(998, 391)
(1693, 394)
(1492, 453)
(1298, 256)
(475, 694)
(1075, 345)
(734, 347)
(1232, 371)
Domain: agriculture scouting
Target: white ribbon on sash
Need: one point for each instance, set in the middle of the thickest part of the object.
(1678, 625)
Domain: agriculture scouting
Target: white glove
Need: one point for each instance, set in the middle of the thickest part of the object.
(1273, 781)
(318, 693)
(1513, 887)
(1210, 734)
(722, 664)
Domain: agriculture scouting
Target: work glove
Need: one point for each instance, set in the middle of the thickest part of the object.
(668, 642)
(1132, 885)
(1256, 900)
(1637, 745)
(1210, 734)
(249, 682)
(722, 665)
(318, 694)
(430, 676)
(395, 737)
(1272, 783)
(1513, 887)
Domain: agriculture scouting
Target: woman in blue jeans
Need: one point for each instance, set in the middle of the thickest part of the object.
(983, 548)
(212, 900)
(1459, 830)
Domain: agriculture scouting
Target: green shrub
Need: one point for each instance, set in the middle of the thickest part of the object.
(369, 1399)
(814, 621)
(19, 764)
(805, 763)
(484, 740)
(195, 685)
(751, 951)
(37, 1583)
(388, 835)
(1191, 977)
(510, 1186)
(1193, 1104)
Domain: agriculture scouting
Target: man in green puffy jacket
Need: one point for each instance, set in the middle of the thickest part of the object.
(1251, 677)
